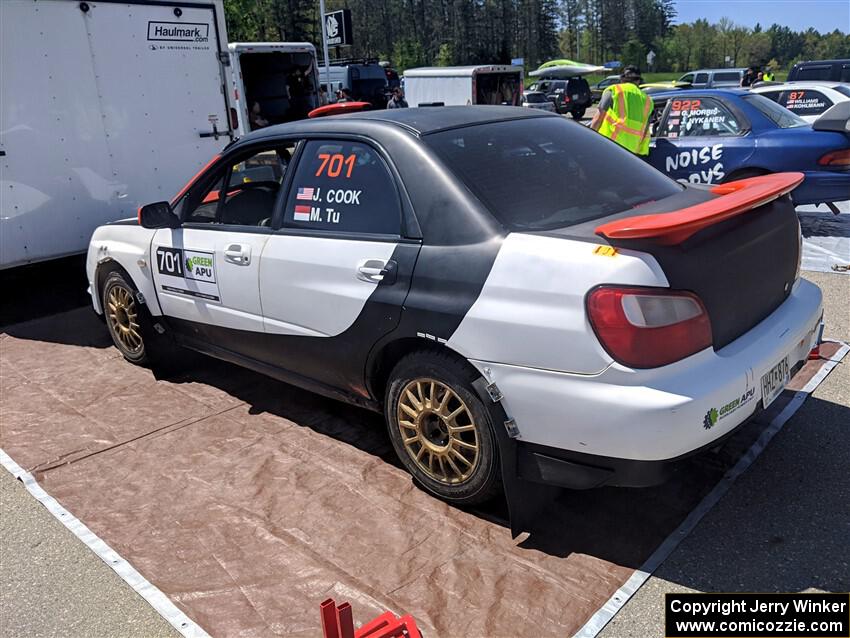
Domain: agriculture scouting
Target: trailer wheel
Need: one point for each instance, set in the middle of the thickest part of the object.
(129, 322)
(440, 429)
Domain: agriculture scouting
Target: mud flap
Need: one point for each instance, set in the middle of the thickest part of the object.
(525, 499)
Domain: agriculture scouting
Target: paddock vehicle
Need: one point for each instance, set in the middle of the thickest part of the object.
(712, 78)
(711, 136)
(820, 70)
(809, 100)
(458, 85)
(526, 302)
(274, 82)
(84, 86)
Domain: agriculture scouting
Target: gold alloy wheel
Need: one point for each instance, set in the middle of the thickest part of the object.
(123, 316)
(438, 431)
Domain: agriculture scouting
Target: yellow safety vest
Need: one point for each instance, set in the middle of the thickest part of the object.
(625, 122)
(767, 77)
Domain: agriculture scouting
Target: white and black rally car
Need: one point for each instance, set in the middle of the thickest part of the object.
(525, 301)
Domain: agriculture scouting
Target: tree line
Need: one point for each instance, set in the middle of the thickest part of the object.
(412, 33)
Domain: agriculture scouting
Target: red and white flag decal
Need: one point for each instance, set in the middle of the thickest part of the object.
(305, 193)
(302, 214)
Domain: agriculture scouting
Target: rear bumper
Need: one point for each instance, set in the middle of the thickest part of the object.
(662, 414)
(577, 471)
(823, 186)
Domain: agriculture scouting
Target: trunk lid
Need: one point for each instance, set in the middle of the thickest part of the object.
(738, 251)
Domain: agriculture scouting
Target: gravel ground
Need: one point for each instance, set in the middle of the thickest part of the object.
(53, 585)
(784, 525)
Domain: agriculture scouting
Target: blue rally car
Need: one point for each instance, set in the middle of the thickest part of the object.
(712, 136)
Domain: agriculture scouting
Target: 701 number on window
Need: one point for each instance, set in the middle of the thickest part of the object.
(333, 164)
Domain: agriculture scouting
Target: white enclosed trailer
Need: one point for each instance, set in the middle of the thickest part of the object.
(275, 82)
(104, 106)
(461, 85)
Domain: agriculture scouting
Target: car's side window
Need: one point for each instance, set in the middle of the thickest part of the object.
(814, 73)
(252, 185)
(804, 101)
(702, 78)
(699, 117)
(687, 78)
(343, 186)
(772, 95)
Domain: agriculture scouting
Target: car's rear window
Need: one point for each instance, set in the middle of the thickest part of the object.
(545, 173)
(782, 117)
(821, 72)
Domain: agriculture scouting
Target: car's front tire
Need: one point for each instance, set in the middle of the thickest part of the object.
(577, 113)
(440, 428)
(128, 321)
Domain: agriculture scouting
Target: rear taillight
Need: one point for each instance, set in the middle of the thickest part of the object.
(648, 327)
(836, 158)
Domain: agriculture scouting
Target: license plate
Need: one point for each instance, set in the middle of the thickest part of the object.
(575, 96)
(774, 381)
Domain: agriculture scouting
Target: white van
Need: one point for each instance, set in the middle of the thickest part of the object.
(461, 85)
(274, 82)
(104, 106)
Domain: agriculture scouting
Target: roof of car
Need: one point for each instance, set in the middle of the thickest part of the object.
(420, 121)
(444, 71)
(800, 84)
(835, 61)
(727, 70)
(700, 92)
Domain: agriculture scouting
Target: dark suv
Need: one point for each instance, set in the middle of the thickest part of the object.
(829, 70)
(570, 96)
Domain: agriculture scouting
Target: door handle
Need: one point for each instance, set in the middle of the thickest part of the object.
(239, 255)
(377, 271)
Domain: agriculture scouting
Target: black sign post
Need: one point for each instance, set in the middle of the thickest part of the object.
(338, 27)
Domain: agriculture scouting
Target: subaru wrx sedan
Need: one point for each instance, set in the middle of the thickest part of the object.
(522, 299)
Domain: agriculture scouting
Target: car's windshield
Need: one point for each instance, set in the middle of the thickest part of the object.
(545, 173)
(842, 88)
(779, 115)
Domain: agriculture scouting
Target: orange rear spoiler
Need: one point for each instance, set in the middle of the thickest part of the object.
(677, 226)
(338, 108)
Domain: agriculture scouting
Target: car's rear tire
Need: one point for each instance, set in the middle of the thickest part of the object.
(577, 113)
(440, 429)
(129, 323)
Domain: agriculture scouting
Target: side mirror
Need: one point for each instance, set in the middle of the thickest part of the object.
(158, 215)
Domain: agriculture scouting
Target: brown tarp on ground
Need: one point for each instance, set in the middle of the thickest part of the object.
(248, 501)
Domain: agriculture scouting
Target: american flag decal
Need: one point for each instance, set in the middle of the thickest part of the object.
(305, 193)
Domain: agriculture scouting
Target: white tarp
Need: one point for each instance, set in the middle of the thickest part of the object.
(826, 237)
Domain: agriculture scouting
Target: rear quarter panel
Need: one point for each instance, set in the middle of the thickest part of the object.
(531, 308)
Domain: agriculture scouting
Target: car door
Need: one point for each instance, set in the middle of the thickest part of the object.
(207, 271)
(700, 140)
(334, 277)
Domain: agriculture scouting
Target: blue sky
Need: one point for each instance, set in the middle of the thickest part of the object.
(823, 15)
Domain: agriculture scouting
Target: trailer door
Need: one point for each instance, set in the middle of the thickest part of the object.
(162, 91)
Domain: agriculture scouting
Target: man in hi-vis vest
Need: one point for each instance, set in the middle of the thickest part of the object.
(624, 112)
